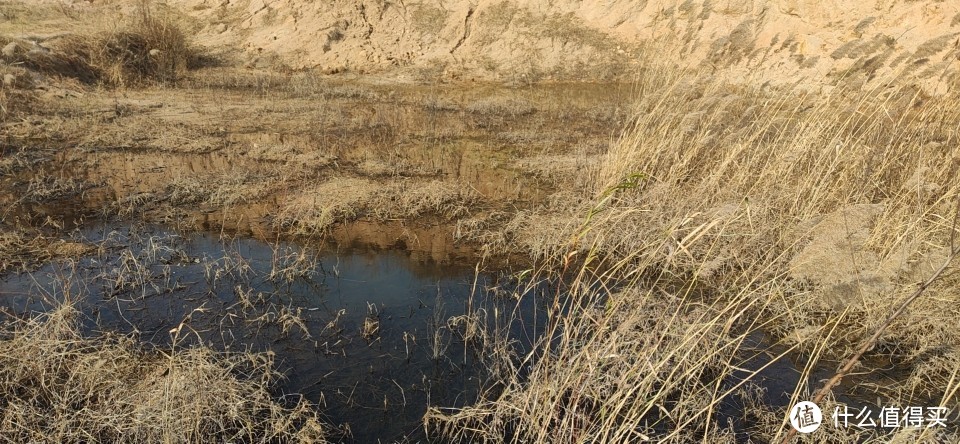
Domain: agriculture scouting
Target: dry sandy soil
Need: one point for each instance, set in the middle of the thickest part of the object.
(786, 42)
(782, 42)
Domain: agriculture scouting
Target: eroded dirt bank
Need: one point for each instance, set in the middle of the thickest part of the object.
(782, 42)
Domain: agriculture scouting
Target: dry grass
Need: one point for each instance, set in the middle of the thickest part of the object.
(725, 210)
(642, 363)
(221, 190)
(44, 187)
(14, 161)
(148, 48)
(315, 209)
(24, 249)
(619, 367)
(151, 49)
(408, 199)
(15, 97)
(840, 201)
(18, 250)
(59, 386)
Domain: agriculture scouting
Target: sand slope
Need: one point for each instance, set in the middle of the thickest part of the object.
(782, 41)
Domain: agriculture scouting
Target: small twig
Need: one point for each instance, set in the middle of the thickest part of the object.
(869, 343)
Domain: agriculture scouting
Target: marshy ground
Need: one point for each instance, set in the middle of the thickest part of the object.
(259, 152)
(194, 248)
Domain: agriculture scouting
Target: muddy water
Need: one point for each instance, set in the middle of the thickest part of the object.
(307, 308)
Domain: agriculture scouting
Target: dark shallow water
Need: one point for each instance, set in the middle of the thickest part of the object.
(308, 307)
(234, 294)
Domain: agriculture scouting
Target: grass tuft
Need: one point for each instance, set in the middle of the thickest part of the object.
(59, 386)
(149, 48)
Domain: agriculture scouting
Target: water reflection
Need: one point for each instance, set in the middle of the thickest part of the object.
(304, 306)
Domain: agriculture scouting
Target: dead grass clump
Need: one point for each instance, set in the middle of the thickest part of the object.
(44, 187)
(151, 48)
(220, 190)
(12, 161)
(316, 208)
(59, 386)
(541, 233)
(20, 251)
(407, 199)
(69, 57)
(538, 234)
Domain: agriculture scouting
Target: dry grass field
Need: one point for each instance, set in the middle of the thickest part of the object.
(675, 211)
(721, 212)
